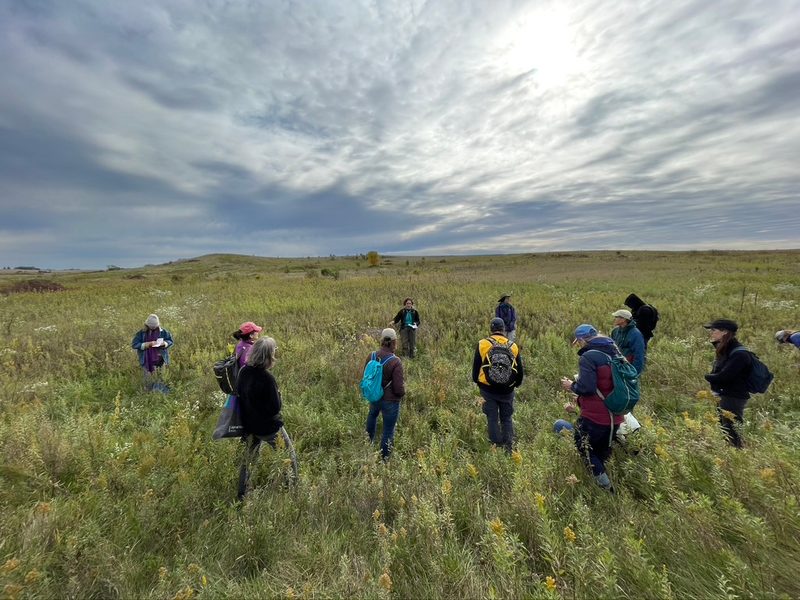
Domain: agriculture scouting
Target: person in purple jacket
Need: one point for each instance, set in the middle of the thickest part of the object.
(788, 336)
(247, 334)
(596, 426)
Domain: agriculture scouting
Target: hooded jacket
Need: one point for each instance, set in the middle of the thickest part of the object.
(506, 312)
(594, 372)
(630, 342)
(645, 315)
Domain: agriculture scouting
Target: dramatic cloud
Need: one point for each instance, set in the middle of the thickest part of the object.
(142, 132)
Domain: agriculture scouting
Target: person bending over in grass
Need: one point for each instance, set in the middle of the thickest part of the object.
(408, 319)
(394, 389)
(594, 429)
(152, 344)
(788, 336)
(259, 404)
(728, 377)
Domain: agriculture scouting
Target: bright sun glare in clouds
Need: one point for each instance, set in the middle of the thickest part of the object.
(540, 41)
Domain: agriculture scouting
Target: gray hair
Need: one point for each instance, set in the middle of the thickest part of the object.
(263, 353)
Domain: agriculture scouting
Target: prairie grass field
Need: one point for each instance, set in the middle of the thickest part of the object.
(109, 491)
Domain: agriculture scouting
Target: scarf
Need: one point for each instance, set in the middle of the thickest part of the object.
(152, 356)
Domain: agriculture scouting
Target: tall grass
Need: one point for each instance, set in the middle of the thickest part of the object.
(111, 492)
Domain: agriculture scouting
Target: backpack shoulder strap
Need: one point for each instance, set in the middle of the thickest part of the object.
(387, 359)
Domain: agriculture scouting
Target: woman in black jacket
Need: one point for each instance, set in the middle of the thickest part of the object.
(259, 404)
(728, 377)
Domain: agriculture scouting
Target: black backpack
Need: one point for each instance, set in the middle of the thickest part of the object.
(227, 371)
(760, 377)
(500, 366)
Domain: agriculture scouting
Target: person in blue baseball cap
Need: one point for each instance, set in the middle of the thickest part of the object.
(594, 428)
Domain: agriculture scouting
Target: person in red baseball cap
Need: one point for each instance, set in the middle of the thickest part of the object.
(247, 334)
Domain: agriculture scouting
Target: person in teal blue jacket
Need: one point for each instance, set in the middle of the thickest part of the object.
(629, 339)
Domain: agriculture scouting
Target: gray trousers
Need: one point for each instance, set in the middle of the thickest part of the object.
(408, 338)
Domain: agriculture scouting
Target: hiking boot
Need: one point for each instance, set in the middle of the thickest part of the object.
(604, 482)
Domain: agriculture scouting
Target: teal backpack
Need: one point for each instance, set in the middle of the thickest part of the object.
(372, 381)
(626, 392)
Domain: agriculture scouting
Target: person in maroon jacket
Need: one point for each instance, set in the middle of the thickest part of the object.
(393, 391)
(596, 426)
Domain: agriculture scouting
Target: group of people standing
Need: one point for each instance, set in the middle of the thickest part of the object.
(497, 370)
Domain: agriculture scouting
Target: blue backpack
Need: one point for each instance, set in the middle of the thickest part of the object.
(626, 391)
(372, 380)
(759, 378)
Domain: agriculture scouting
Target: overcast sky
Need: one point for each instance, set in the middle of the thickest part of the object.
(136, 132)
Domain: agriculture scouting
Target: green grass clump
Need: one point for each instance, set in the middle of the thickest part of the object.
(111, 492)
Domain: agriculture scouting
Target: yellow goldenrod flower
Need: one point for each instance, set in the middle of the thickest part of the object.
(767, 474)
(11, 591)
(661, 452)
(569, 535)
(539, 500)
(376, 515)
(382, 530)
(193, 568)
(516, 456)
(472, 470)
(385, 581)
(184, 594)
(497, 526)
(43, 508)
(727, 414)
(403, 532)
(447, 487)
(718, 461)
(10, 565)
(204, 581)
(703, 395)
(32, 576)
(290, 593)
(162, 573)
(550, 583)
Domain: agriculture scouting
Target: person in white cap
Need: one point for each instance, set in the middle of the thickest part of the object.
(629, 339)
(393, 391)
(788, 336)
(630, 342)
(152, 344)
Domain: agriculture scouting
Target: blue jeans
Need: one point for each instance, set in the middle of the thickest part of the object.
(498, 411)
(591, 440)
(390, 410)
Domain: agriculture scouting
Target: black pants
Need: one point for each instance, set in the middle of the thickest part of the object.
(594, 443)
(735, 406)
(252, 445)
